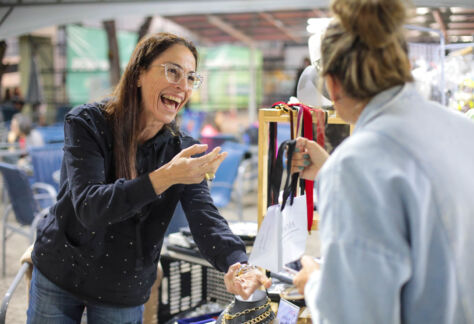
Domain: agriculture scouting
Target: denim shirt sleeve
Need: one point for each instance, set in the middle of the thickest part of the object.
(87, 159)
(365, 244)
(210, 230)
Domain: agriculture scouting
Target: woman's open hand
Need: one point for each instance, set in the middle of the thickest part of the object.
(186, 169)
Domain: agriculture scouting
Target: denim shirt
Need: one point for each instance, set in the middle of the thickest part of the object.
(101, 241)
(396, 201)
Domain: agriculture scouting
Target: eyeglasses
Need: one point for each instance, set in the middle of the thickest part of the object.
(175, 74)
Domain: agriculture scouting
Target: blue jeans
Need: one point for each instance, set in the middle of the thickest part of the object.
(50, 304)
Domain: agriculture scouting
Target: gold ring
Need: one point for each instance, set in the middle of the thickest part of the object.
(210, 176)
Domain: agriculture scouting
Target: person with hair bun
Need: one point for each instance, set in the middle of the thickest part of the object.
(395, 198)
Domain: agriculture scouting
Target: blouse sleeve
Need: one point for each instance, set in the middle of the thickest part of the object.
(86, 154)
(210, 230)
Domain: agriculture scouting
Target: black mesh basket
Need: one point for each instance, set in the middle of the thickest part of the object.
(186, 285)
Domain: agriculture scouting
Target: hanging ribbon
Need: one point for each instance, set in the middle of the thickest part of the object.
(305, 114)
(309, 184)
(272, 150)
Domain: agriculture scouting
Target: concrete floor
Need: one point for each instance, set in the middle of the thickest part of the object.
(16, 246)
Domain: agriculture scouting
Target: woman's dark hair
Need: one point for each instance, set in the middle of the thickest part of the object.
(364, 47)
(124, 109)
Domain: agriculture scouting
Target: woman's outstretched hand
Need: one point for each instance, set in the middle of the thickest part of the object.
(186, 169)
(308, 158)
(243, 280)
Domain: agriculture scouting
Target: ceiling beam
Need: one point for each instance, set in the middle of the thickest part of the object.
(229, 29)
(461, 18)
(439, 19)
(279, 25)
(458, 10)
(468, 25)
(461, 32)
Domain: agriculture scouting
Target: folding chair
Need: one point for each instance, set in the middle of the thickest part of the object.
(52, 134)
(45, 161)
(26, 269)
(24, 202)
(192, 121)
(223, 184)
(61, 112)
(217, 140)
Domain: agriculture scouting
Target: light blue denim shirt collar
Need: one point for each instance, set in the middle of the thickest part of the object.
(378, 104)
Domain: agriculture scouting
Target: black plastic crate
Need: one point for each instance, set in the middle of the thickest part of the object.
(186, 285)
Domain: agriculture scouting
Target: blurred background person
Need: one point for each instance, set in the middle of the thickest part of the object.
(17, 99)
(23, 132)
(22, 135)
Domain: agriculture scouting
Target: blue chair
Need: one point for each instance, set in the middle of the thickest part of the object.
(61, 112)
(52, 134)
(45, 161)
(24, 202)
(178, 220)
(217, 140)
(222, 188)
(192, 121)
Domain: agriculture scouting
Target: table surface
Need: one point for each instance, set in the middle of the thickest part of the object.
(303, 317)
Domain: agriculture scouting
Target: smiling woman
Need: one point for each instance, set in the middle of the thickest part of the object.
(125, 167)
(164, 90)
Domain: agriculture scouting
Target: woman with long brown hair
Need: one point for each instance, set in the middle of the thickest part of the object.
(125, 167)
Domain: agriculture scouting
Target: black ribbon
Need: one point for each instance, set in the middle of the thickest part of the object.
(276, 174)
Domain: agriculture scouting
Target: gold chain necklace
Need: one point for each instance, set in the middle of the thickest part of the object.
(257, 319)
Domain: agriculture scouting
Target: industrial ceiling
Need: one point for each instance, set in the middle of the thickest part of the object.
(217, 21)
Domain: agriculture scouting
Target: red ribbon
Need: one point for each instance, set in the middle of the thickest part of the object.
(309, 185)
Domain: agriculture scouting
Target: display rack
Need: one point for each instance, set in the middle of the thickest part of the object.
(265, 117)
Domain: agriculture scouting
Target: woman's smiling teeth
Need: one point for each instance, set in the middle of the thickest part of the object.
(170, 101)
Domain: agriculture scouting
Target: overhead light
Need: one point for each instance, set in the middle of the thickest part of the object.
(466, 39)
(422, 11)
(317, 25)
(418, 20)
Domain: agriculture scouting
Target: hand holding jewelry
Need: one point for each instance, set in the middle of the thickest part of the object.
(244, 279)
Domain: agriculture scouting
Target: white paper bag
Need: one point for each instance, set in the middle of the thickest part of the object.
(281, 237)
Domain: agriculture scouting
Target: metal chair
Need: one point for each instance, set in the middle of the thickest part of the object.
(222, 188)
(24, 201)
(52, 134)
(192, 121)
(45, 161)
(25, 267)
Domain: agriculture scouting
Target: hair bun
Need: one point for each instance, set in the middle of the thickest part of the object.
(376, 22)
